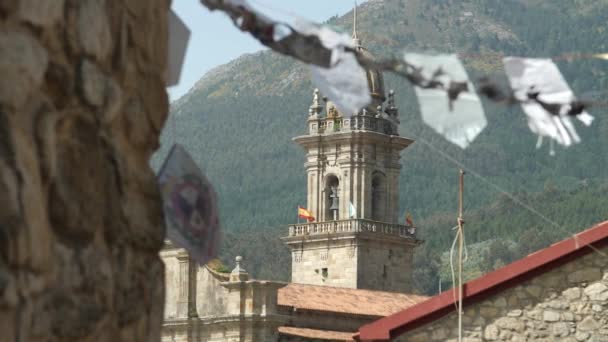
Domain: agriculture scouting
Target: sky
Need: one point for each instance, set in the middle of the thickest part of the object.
(214, 40)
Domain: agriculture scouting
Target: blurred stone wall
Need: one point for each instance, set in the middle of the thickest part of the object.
(82, 103)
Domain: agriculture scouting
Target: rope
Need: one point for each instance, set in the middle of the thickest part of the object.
(452, 266)
(504, 192)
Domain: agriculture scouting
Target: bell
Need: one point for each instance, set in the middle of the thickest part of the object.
(334, 199)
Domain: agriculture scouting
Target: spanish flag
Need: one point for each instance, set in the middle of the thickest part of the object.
(408, 220)
(305, 214)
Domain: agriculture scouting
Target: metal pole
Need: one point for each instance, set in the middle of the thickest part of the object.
(460, 243)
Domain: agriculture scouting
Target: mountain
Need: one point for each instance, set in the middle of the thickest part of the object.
(239, 119)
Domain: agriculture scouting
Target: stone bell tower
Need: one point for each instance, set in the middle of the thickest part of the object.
(352, 168)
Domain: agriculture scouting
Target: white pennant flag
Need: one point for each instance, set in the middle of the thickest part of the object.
(542, 77)
(465, 120)
(345, 81)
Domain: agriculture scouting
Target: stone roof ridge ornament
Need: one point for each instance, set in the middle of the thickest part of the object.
(315, 108)
(356, 40)
(391, 99)
(238, 273)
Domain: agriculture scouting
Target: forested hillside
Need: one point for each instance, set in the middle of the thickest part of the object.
(238, 121)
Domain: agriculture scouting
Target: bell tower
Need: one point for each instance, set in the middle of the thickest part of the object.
(352, 169)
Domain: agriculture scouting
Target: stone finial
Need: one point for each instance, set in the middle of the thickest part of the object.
(391, 109)
(316, 107)
(379, 111)
(391, 99)
(238, 273)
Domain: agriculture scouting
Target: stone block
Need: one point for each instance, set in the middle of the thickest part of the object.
(41, 13)
(588, 324)
(491, 332)
(510, 323)
(551, 316)
(23, 62)
(515, 313)
(572, 293)
(93, 28)
(488, 311)
(560, 329)
(534, 290)
(585, 275)
(597, 292)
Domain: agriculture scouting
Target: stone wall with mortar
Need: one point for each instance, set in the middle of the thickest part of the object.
(569, 303)
(336, 254)
(229, 307)
(385, 263)
(82, 103)
(359, 260)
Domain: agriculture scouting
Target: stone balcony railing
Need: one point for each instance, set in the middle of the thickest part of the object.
(364, 123)
(351, 225)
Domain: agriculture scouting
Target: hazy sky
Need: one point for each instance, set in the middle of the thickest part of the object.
(214, 40)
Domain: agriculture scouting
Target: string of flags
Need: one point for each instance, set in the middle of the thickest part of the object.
(436, 78)
(449, 103)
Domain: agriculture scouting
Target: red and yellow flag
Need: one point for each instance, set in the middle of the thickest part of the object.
(408, 220)
(305, 214)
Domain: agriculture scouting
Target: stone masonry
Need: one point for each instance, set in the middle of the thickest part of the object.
(224, 307)
(82, 103)
(569, 303)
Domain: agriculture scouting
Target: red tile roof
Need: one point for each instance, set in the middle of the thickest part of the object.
(345, 300)
(317, 334)
(533, 265)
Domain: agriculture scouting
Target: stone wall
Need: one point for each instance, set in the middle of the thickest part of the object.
(229, 307)
(82, 102)
(373, 261)
(569, 303)
(385, 263)
(337, 255)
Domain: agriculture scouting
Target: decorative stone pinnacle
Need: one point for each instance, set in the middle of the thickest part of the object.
(391, 99)
(315, 108)
(238, 273)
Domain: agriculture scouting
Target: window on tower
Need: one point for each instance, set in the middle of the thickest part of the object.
(378, 197)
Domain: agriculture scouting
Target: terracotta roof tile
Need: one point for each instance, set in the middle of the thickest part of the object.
(521, 270)
(345, 300)
(318, 334)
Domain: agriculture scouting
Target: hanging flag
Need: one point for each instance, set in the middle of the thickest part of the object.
(352, 212)
(546, 98)
(305, 214)
(448, 102)
(179, 34)
(408, 220)
(190, 206)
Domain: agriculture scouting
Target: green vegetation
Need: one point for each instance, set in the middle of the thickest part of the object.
(239, 119)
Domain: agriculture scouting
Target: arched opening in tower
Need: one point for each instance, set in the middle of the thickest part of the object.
(332, 198)
(378, 197)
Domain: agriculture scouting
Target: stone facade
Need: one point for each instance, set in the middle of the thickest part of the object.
(82, 102)
(569, 303)
(362, 162)
(206, 305)
(355, 259)
(352, 167)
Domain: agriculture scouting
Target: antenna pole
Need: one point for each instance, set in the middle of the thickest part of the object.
(460, 245)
